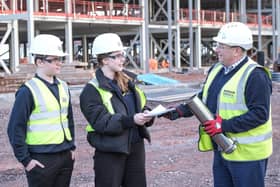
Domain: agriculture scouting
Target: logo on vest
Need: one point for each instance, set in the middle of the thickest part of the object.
(228, 93)
(64, 99)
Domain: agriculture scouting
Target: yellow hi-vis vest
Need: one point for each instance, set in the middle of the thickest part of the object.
(48, 122)
(255, 144)
(106, 99)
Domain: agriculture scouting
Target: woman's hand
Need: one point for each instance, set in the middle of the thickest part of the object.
(141, 118)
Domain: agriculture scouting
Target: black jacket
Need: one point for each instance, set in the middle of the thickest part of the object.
(112, 132)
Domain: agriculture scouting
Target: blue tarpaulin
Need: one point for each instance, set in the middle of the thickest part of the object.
(153, 79)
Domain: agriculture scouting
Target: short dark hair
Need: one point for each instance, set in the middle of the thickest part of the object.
(38, 57)
(100, 57)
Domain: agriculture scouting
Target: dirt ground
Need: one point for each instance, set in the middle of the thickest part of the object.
(172, 159)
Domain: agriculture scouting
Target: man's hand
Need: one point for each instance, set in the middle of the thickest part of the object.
(213, 127)
(172, 115)
(32, 164)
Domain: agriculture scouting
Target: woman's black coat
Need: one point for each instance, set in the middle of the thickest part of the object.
(112, 132)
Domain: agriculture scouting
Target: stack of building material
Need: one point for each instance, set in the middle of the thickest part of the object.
(73, 74)
(10, 83)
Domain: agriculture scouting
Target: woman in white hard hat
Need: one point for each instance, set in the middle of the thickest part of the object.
(41, 127)
(238, 91)
(114, 108)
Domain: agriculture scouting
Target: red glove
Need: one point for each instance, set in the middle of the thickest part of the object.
(213, 127)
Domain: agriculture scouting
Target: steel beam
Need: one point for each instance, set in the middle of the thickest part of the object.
(3, 41)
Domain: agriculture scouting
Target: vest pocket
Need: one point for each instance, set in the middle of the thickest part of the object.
(205, 141)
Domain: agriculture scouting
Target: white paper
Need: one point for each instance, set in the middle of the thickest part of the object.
(158, 110)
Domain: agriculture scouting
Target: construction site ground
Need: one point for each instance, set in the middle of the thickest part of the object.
(172, 159)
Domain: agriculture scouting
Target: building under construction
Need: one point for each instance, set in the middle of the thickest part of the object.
(179, 31)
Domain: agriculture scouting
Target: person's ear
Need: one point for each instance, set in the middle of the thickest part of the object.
(38, 62)
(105, 61)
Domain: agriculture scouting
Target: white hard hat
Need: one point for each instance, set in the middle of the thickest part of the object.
(106, 43)
(235, 34)
(47, 44)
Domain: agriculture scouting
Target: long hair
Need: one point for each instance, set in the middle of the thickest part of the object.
(122, 81)
(121, 77)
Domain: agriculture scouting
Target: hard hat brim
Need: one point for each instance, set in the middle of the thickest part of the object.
(216, 39)
(100, 53)
(60, 55)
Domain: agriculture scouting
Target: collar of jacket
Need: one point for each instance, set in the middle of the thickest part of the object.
(55, 81)
(104, 82)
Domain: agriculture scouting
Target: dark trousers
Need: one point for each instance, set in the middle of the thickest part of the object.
(57, 172)
(117, 169)
(238, 174)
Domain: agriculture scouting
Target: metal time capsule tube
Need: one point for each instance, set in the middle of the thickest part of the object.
(203, 114)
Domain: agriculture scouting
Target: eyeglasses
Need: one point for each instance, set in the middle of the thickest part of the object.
(117, 56)
(52, 60)
(222, 46)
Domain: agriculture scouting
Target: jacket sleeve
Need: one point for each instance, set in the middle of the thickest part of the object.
(71, 122)
(151, 122)
(97, 115)
(17, 125)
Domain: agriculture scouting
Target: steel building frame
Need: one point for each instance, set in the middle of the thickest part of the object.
(155, 29)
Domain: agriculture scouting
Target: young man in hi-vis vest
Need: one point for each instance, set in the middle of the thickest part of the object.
(117, 125)
(41, 126)
(237, 90)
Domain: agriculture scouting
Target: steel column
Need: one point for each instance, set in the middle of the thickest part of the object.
(14, 47)
(274, 41)
(170, 46)
(227, 10)
(242, 11)
(68, 33)
(190, 34)
(197, 32)
(177, 36)
(30, 29)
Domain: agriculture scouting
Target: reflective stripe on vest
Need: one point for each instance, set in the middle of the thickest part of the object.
(48, 123)
(106, 99)
(46, 127)
(254, 144)
(254, 139)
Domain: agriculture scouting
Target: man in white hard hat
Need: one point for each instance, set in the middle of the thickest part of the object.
(237, 90)
(114, 108)
(41, 126)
